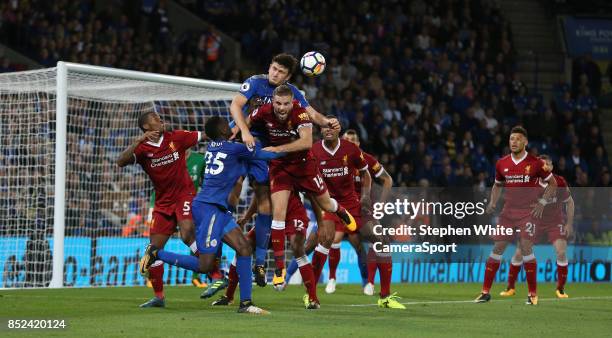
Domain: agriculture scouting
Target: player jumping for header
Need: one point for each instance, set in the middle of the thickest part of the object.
(214, 222)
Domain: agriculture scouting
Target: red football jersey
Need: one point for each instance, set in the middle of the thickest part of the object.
(338, 167)
(374, 167)
(520, 180)
(279, 133)
(165, 163)
(553, 212)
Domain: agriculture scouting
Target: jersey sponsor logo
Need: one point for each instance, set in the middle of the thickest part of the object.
(517, 178)
(335, 172)
(164, 160)
(245, 87)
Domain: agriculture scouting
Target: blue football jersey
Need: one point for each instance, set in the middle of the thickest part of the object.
(258, 87)
(225, 163)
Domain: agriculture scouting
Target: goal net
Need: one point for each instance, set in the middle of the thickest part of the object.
(103, 227)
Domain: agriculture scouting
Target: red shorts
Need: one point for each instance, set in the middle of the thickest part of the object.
(354, 209)
(296, 220)
(303, 176)
(554, 229)
(524, 227)
(165, 220)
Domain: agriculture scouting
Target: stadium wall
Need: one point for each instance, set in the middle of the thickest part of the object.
(98, 262)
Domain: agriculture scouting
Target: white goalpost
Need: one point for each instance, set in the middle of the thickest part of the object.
(60, 193)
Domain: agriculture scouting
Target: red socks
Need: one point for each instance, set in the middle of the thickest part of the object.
(156, 275)
(334, 260)
(308, 277)
(531, 270)
(490, 271)
(277, 235)
(561, 275)
(318, 261)
(385, 267)
(233, 281)
(515, 269)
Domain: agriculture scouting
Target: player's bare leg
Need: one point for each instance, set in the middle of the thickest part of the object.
(561, 250)
(531, 270)
(311, 301)
(326, 232)
(280, 200)
(492, 266)
(357, 243)
(334, 260)
(156, 273)
(515, 268)
(309, 246)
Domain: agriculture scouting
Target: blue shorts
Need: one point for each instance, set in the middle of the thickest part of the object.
(258, 171)
(212, 222)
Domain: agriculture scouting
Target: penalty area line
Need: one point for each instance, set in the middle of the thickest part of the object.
(471, 301)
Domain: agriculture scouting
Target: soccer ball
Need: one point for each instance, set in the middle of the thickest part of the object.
(312, 64)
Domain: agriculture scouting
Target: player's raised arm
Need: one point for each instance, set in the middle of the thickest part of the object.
(321, 120)
(128, 156)
(238, 103)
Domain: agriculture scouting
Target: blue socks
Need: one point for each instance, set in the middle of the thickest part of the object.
(245, 277)
(184, 261)
(263, 225)
(291, 269)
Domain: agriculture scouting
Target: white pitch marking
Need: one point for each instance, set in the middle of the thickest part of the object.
(471, 301)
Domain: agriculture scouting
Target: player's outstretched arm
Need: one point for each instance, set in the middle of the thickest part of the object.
(302, 143)
(236, 106)
(321, 120)
(495, 195)
(128, 156)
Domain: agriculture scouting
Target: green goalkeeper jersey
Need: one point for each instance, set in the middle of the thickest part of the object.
(195, 168)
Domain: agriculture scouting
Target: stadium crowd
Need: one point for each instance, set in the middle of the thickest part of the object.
(431, 88)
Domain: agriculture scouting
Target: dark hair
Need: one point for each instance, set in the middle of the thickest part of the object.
(282, 90)
(352, 132)
(212, 127)
(286, 60)
(519, 130)
(144, 118)
(545, 157)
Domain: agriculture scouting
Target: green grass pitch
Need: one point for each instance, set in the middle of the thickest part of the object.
(433, 310)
